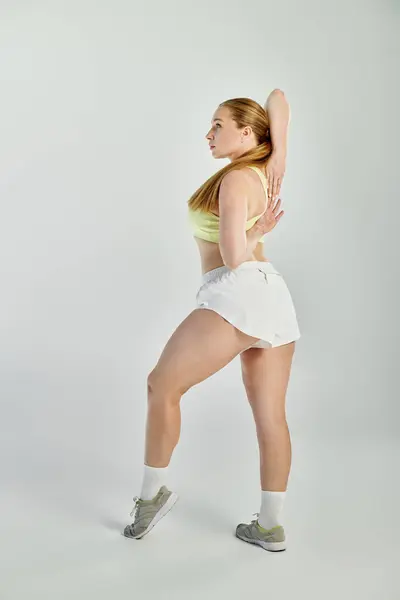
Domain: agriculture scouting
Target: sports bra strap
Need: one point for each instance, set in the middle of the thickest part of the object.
(261, 175)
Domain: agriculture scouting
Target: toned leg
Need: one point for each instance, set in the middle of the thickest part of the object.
(201, 345)
(265, 374)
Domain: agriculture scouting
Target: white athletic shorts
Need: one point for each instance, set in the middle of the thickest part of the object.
(255, 299)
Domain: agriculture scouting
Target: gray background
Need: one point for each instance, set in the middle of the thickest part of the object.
(104, 109)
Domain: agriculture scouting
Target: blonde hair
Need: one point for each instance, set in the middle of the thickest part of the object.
(245, 112)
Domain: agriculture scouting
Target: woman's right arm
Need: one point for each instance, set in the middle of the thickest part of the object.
(236, 245)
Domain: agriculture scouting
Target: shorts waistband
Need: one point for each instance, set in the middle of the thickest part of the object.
(266, 267)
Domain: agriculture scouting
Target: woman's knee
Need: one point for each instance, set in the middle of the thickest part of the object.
(162, 388)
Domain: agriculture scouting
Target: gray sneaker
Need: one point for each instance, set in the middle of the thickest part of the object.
(270, 539)
(147, 513)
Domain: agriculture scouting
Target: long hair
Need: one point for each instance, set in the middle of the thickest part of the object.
(245, 112)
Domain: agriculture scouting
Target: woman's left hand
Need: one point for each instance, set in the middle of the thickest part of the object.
(275, 171)
(268, 220)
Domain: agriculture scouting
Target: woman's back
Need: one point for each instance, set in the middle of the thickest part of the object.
(206, 230)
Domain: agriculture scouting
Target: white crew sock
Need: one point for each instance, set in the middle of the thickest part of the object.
(271, 506)
(153, 479)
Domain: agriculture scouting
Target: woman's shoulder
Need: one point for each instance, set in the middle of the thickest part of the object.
(240, 175)
(234, 179)
(246, 176)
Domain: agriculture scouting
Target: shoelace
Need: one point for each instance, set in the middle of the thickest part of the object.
(137, 501)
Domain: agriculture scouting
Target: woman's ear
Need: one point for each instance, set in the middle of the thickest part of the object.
(247, 131)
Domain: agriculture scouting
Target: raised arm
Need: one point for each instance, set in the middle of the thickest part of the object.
(278, 111)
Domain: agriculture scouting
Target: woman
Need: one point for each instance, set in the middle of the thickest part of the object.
(249, 313)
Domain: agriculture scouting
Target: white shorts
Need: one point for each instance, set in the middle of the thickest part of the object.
(255, 299)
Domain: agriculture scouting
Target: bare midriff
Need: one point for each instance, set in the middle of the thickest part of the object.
(210, 255)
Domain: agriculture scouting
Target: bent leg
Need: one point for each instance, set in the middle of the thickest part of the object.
(202, 344)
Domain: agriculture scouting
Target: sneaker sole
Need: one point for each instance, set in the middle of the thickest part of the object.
(161, 513)
(271, 546)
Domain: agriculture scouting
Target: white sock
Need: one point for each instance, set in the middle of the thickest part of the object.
(153, 479)
(271, 506)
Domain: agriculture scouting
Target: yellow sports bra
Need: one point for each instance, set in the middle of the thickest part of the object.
(206, 225)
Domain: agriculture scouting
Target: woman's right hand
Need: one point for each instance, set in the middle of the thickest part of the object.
(269, 219)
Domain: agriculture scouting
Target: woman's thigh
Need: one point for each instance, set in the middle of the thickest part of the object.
(200, 346)
(265, 374)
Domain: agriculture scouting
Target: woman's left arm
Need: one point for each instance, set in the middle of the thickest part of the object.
(278, 111)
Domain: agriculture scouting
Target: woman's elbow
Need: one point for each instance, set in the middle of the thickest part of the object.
(232, 262)
(231, 265)
(229, 261)
(232, 250)
(278, 92)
